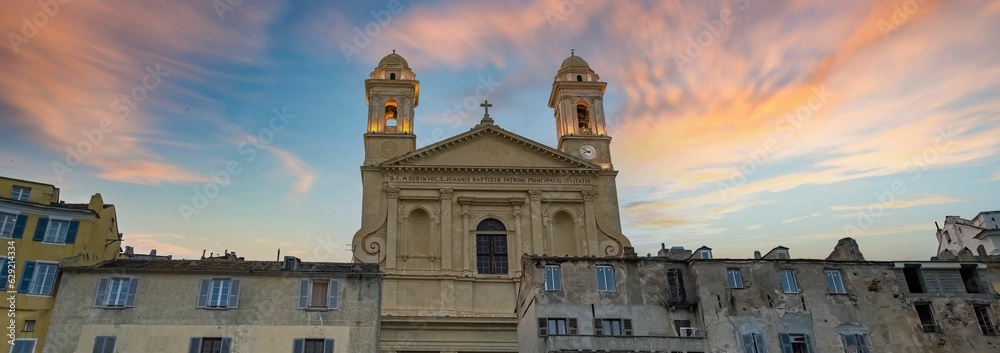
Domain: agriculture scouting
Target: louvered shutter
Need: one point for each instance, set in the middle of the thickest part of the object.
(598, 328)
(809, 345)
(328, 345)
(748, 344)
(298, 345)
(195, 346)
(862, 344)
(40, 227)
(226, 342)
(786, 343)
(108, 345)
(572, 326)
(19, 223)
(304, 290)
(74, 226)
(234, 293)
(758, 341)
(102, 292)
(133, 288)
(543, 327)
(333, 290)
(29, 271)
(203, 292)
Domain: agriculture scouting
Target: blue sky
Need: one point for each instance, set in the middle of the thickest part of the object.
(737, 124)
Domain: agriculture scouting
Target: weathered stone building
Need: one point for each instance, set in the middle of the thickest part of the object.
(216, 306)
(772, 303)
(979, 236)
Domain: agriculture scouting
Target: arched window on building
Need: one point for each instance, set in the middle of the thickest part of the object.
(392, 76)
(579, 77)
(390, 116)
(491, 247)
(583, 118)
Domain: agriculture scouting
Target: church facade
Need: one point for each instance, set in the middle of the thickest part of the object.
(448, 223)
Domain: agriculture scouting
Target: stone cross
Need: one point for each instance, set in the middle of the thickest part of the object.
(486, 105)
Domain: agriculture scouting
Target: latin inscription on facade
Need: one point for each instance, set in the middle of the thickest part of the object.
(482, 179)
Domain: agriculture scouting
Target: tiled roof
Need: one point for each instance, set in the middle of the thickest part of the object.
(227, 266)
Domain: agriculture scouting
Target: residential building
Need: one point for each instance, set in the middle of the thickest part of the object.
(217, 305)
(980, 235)
(448, 223)
(40, 232)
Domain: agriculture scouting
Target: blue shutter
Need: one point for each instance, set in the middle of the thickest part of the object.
(748, 344)
(303, 293)
(809, 344)
(29, 270)
(299, 344)
(102, 291)
(758, 340)
(19, 224)
(226, 342)
(234, 293)
(328, 345)
(862, 342)
(786, 343)
(203, 290)
(195, 346)
(133, 288)
(333, 289)
(74, 226)
(43, 223)
(104, 344)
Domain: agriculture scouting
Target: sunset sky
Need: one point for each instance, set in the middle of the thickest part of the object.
(737, 124)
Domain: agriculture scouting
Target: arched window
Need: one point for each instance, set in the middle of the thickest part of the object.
(491, 247)
(392, 76)
(579, 77)
(390, 116)
(583, 118)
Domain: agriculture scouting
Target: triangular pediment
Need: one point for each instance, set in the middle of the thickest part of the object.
(489, 146)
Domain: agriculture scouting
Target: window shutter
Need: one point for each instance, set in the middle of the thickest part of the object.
(102, 292)
(133, 288)
(195, 346)
(19, 224)
(809, 345)
(304, 293)
(74, 226)
(299, 344)
(43, 223)
(109, 344)
(758, 341)
(786, 343)
(543, 327)
(862, 344)
(29, 270)
(333, 289)
(328, 345)
(99, 344)
(628, 326)
(572, 326)
(598, 329)
(206, 286)
(748, 344)
(234, 294)
(226, 342)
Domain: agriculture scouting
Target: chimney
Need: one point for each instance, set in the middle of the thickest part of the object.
(291, 263)
(152, 252)
(756, 254)
(128, 250)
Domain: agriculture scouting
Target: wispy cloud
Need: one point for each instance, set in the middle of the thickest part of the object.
(292, 165)
(754, 227)
(796, 219)
(922, 200)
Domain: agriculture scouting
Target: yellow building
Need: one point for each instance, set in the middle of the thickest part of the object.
(41, 232)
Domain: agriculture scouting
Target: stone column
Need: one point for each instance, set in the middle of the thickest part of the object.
(468, 244)
(536, 222)
(447, 246)
(590, 218)
(391, 235)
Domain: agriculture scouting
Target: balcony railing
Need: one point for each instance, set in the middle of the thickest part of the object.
(588, 343)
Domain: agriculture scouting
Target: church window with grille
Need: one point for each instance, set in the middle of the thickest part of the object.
(491, 247)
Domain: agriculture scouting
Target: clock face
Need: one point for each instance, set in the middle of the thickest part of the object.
(588, 151)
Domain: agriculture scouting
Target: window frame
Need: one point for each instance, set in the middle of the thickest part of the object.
(4, 221)
(735, 283)
(932, 327)
(299, 344)
(496, 262)
(855, 340)
(306, 294)
(101, 344)
(609, 284)
(24, 191)
(705, 254)
(127, 293)
(792, 338)
(57, 236)
(206, 294)
(753, 342)
(29, 324)
(624, 327)
(553, 283)
(785, 284)
(984, 318)
(34, 344)
(837, 278)
(34, 278)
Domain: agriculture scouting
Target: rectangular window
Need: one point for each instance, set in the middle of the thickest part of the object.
(986, 323)
(491, 254)
(855, 343)
(914, 281)
(24, 345)
(788, 282)
(29, 326)
(926, 314)
(318, 294)
(116, 292)
(56, 231)
(835, 281)
(7, 222)
(43, 276)
(795, 343)
(20, 193)
(219, 293)
(104, 344)
(605, 278)
(552, 277)
(684, 328)
(970, 278)
(556, 326)
(613, 327)
(735, 277)
(753, 343)
(313, 345)
(210, 345)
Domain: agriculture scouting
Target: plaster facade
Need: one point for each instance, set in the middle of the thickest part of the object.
(979, 235)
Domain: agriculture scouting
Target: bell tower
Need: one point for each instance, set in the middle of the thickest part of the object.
(392, 91)
(578, 99)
